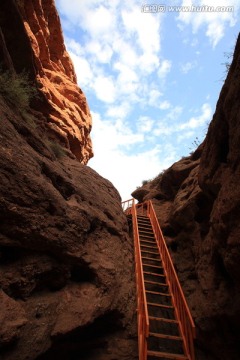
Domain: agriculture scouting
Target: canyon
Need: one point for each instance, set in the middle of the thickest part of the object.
(67, 282)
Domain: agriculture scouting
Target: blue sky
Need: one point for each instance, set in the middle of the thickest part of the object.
(152, 79)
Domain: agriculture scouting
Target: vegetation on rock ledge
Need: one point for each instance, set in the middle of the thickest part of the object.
(16, 88)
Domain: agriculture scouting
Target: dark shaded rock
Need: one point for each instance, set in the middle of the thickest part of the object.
(66, 258)
(12, 319)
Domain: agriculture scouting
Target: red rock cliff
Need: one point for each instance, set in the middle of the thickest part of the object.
(32, 31)
(67, 287)
(198, 204)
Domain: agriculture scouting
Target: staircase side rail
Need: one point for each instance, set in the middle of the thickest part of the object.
(143, 319)
(141, 209)
(182, 311)
(127, 206)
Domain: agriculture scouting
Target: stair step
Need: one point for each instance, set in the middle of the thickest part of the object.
(151, 252)
(148, 232)
(155, 283)
(146, 226)
(149, 242)
(147, 237)
(165, 336)
(163, 320)
(154, 274)
(161, 305)
(154, 266)
(152, 259)
(145, 230)
(147, 246)
(157, 293)
(166, 355)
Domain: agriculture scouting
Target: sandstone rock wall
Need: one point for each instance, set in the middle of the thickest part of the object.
(31, 39)
(67, 287)
(66, 259)
(197, 201)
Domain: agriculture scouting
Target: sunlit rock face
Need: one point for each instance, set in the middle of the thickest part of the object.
(67, 282)
(198, 204)
(33, 34)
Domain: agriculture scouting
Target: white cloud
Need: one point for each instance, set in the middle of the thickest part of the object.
(195, 122)
(75, 47)
(127, 171)
(99, 21)
(186, 135)
(126, 53)
(174, 113)
(164, 105)
(186, 129)
(145, 124)
(154, 96)
(120, 64)
(104, 88)
(119, 111)
(102, 52)
(163, 129)
(215, 22)
(112, 141)
(148, 62)
(82, 68)
(121, 43)
(127, 80)
(92, 15)
(164, 68)
(188, 66)
(146, 28)
(111, 134)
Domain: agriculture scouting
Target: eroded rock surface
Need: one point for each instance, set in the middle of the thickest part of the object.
(66, 259)
(197, 201)
(31, 39)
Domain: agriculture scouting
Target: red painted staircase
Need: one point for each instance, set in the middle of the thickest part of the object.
(165, 326)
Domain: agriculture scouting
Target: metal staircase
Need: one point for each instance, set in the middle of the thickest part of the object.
(165, 326)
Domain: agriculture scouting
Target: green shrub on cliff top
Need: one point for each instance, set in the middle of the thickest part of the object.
(17, 88)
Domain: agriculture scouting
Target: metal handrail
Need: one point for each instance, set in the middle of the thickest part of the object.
(129, 207)
(183, 314)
